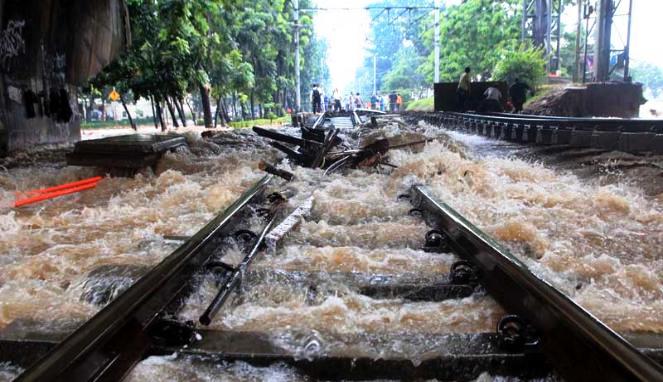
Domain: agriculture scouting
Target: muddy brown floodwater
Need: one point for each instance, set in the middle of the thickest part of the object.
(599, 243)
(48, 249)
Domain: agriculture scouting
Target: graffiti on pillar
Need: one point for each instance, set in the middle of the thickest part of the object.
(11, 42)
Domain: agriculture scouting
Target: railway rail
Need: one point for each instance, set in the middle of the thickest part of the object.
(544, 332)
(628, 135)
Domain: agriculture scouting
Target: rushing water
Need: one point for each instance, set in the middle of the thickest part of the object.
(49, 249)
(598, 243)
(182, 368)
(8, 371)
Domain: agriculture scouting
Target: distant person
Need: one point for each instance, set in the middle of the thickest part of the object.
(316, 99)
(374, 101)
(358, 102)
(491, 101)
(392, 101)
(463, 91)
(336, 95)
(399, 102)
(518, 93)
(326, 102)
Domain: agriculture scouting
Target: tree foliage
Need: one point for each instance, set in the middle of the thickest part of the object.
(239, 52)
(526, 63)
(651, 77)
(475, 33)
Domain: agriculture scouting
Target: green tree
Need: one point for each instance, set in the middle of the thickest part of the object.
(238, 52)
(474, 33)
(526, 63)
(404, 75)
(650, 75)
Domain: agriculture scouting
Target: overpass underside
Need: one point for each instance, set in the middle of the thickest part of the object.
(47, 49)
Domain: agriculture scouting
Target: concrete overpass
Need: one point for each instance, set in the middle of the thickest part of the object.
(47, 49)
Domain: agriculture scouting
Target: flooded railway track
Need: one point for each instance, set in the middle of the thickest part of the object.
(602, 134)
(419, 306)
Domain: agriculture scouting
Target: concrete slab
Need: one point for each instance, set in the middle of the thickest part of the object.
(133, 143)
(132, 151)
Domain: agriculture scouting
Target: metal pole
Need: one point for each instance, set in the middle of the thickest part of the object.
(602, 54)
(523, 23)
(548, 34)
(298, 84)
(584, 64)
(558, 33)
(375, 75)
(627, 50)
(437, 41)
(576, 72)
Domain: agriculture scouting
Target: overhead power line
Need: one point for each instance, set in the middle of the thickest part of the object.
(371, 8)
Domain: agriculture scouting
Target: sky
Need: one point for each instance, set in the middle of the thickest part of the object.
(347, 33)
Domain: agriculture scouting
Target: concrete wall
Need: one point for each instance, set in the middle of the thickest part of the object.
(591, 100)
(47, 49)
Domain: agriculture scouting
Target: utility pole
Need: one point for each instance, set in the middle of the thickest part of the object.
(375, 73)
(577, 67)
(436, 39)
(587, 13)
(627, 49)
(298, 84)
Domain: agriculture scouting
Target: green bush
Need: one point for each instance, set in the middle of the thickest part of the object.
(526, 63)
(259, 122)
(424, 104)
(113, 123)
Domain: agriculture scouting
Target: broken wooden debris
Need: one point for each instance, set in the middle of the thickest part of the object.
(314, 149)
(275, 171)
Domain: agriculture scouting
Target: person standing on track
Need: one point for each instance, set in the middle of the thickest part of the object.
(463, 91)
(316, 99)
(518, 93)
(359, 103)
(399, 102)
(336, 95)
(392, 101)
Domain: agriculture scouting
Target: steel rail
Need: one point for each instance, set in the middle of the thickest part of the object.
(563, 118)
(590, 123)
(113, 340)
(234, 279)
(580, 346)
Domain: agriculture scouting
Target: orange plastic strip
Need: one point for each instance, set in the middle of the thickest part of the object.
(64, 186)
(55, 194)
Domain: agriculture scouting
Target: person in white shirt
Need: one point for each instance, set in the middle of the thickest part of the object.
(491, 102)
(336, 95)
